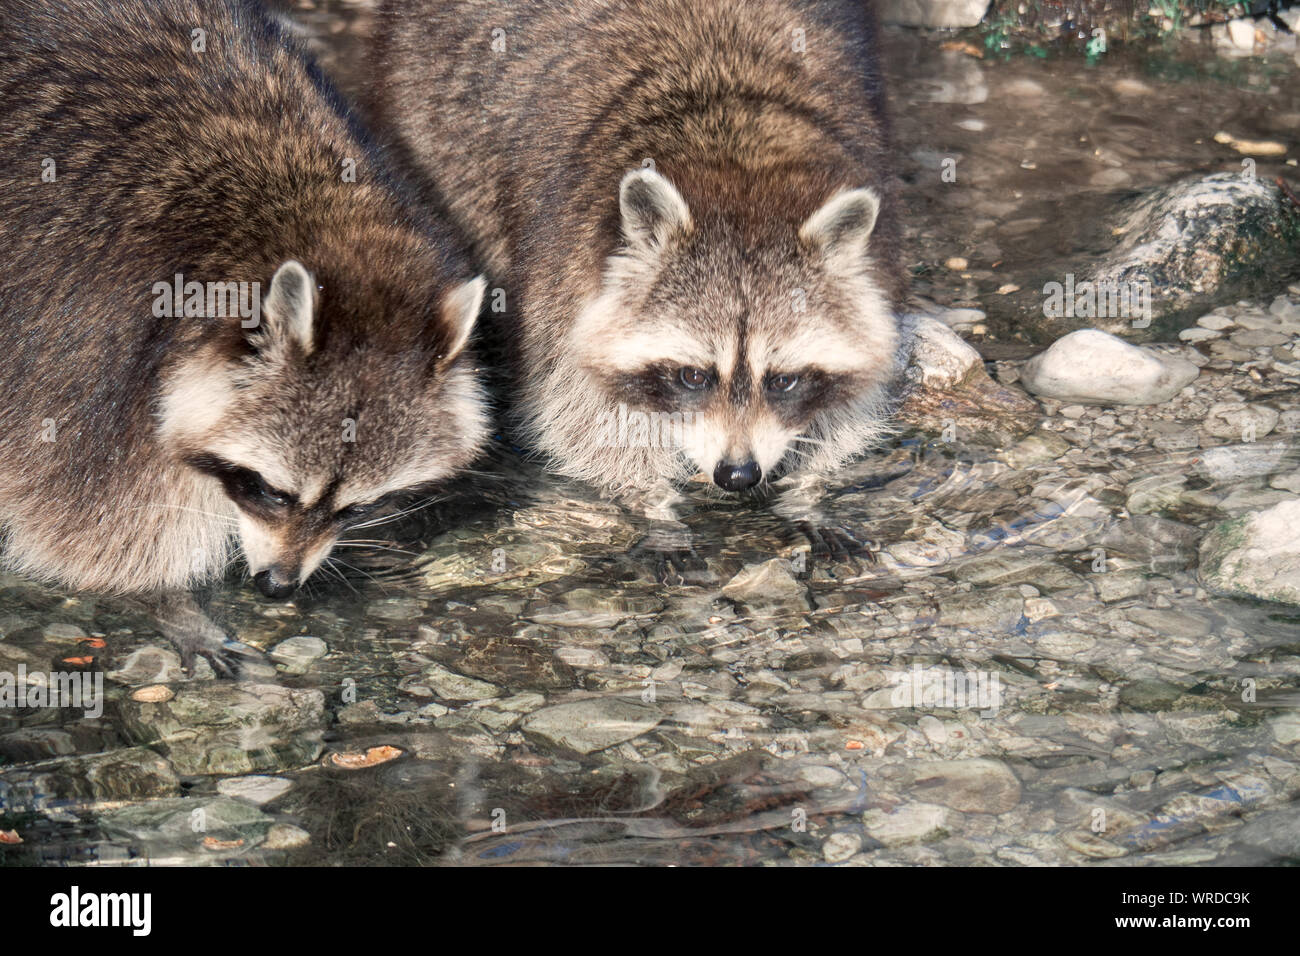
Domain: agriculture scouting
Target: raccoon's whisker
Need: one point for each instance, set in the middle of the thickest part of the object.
(384, 519)
(374, 547)
(328, 565)
(340, 561)
(810, 441)
(207, 514)
(383, 544)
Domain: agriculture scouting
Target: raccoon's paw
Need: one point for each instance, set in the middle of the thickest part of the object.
(183, 621)
(229, 659)
(838, 544)
(669, 546)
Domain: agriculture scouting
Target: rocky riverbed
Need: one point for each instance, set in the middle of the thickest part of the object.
(1076, 641)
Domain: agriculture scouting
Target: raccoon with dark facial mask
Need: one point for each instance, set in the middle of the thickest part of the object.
(692, 205)
(223, 328)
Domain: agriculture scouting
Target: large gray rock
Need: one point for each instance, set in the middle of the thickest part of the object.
(162, 827)
(1192, 239)
(1192, 245)
(1256, 555)
(127, 774)
(228, 728)
(1094, 367)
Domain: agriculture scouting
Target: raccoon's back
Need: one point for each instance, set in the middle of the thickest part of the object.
(516, 108)
(134, 148)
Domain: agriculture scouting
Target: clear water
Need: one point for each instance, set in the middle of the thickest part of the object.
(1127, 717)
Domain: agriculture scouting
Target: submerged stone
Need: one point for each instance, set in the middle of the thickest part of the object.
(1256, 555)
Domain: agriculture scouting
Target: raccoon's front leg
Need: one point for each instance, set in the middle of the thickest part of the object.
(800, 505)
(182, 620)
(668, 542)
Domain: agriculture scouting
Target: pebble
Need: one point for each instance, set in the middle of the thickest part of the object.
(446, 684)
(584, 658)
(908, 824)
(149, 665)
(285, 836)
(296, 655)
(255, 789)
(590, 725)
(840, 846)
(1215, 321)
(1223, 464)
(772, 582)
(1242, 34)
(1286, 727)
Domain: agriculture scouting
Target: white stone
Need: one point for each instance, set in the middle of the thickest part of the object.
(1216, 322)
(1242, 34)
(1093, 367)
(295, 655)
(584, 658)
(840, 846)
(910, 823)
(933, 13)
(942, 357)
(1257, 554)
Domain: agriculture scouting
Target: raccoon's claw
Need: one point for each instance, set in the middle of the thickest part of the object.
(679, 567)
(676, 561)
(229, 659)
(837, 543)
(183, 622)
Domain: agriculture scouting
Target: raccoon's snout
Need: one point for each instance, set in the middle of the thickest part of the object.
(274, 582)
(737, 477)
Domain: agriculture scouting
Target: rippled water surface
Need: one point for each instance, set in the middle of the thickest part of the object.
(1028, 671)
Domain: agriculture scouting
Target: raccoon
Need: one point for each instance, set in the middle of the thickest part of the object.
(161, 161)
(693, 208)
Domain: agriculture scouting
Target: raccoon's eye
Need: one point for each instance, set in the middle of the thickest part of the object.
(782, 383)
(694, 378)
(355, 512)
(249, 485)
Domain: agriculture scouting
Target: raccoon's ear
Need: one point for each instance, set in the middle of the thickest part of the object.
(460, 308)
(654, 212)
(290, 306)
(842, 227)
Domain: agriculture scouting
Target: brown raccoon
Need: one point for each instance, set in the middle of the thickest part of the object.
(693, 205)
(154, 155)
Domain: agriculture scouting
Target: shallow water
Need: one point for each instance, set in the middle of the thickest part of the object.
(553, 703)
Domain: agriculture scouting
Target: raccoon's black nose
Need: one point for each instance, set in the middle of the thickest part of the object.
(274, 583)
(737, 477)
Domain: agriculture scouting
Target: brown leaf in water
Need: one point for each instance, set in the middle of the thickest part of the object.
(371, 758)
(212, 843)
